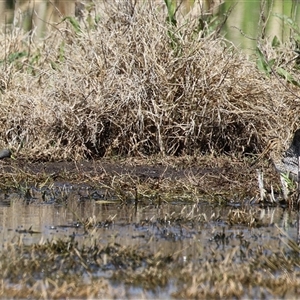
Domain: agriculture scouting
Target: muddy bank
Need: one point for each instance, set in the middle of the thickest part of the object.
(221, 175)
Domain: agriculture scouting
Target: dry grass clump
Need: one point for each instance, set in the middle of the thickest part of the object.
(131, 84)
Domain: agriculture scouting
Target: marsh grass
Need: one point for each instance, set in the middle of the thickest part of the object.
(120, 88)
(125, 81)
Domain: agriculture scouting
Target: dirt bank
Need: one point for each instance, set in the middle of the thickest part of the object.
(223, 176)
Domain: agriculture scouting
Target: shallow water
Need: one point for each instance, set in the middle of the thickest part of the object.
(60, 213)
(191, 232)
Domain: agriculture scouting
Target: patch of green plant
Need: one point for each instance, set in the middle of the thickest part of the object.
(287, 76)
(75, 24)
(61, 56)
(172, 31)
(172, 9)
(92, 18)
(295, 36)
(290, 183)
(269, 66)
(291, 23)
(206, 25)
(262, 63)
(14, 57)
(17, 59)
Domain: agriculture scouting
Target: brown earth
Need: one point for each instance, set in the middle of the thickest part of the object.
(224, 176)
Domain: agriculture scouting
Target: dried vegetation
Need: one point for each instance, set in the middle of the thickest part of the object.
(124, 81)
(131, 83)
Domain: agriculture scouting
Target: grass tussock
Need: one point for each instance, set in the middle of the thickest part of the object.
(131, 83)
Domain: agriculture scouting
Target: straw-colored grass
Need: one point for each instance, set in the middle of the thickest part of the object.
(131, 84)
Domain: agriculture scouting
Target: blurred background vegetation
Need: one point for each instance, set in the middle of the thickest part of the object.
(245, 23)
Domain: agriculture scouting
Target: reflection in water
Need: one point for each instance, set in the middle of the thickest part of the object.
(191, 236)
(174, 228)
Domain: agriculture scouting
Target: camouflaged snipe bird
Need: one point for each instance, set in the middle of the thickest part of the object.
(285, 162)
